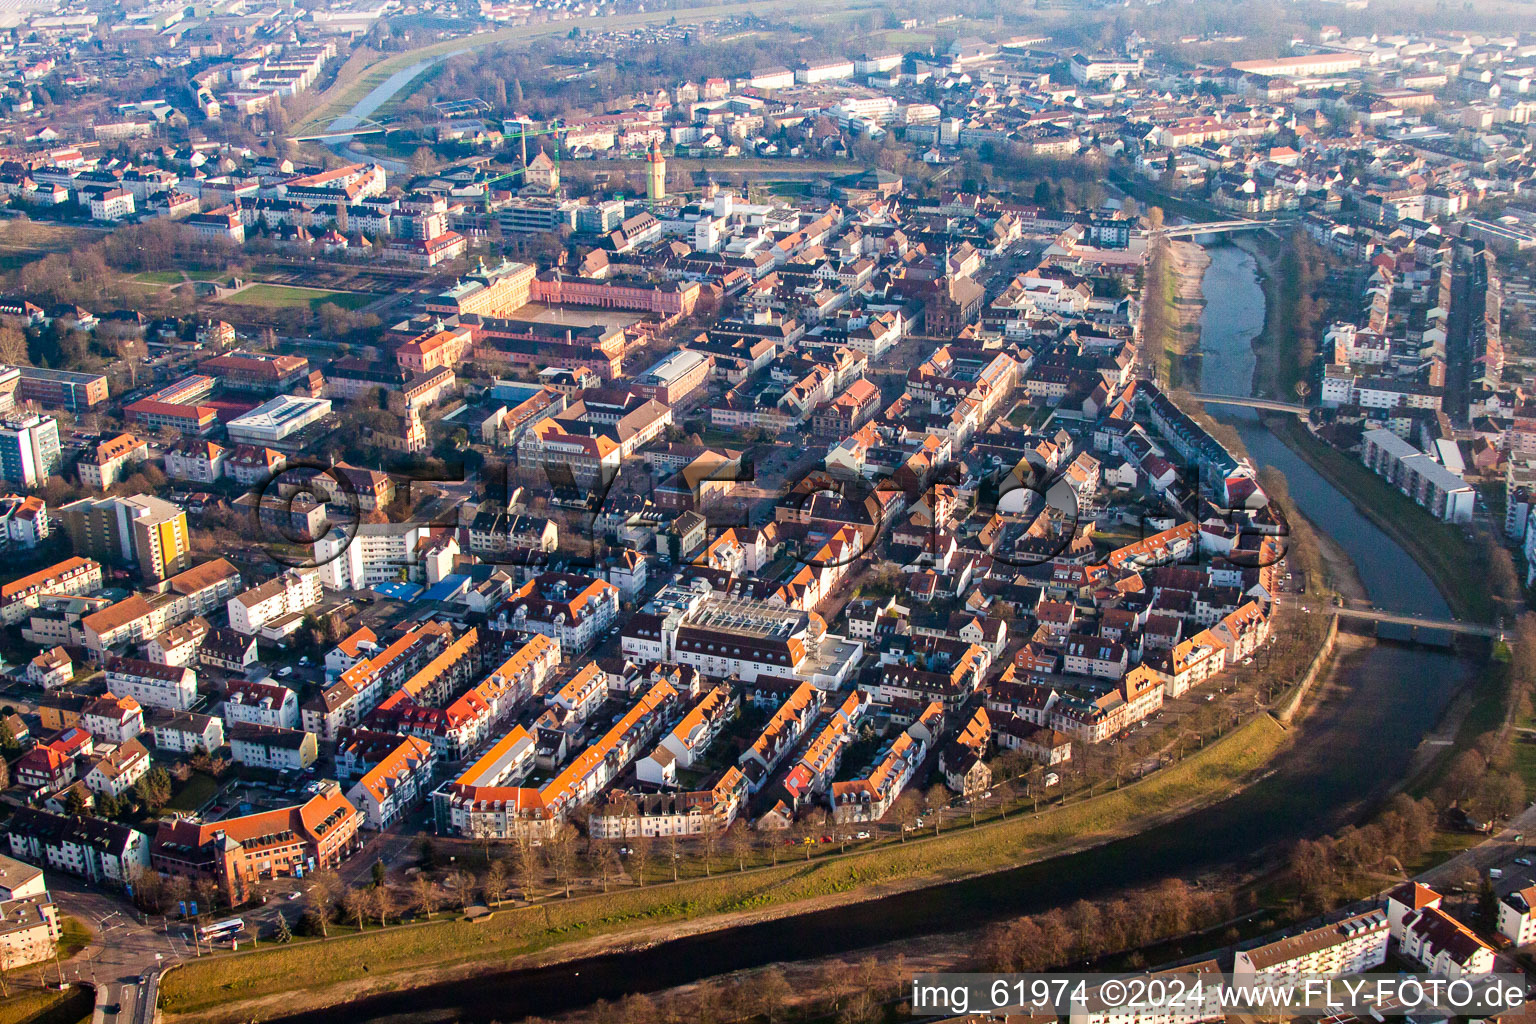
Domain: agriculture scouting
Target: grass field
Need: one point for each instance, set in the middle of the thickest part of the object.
(279, 296)
(192, 795)
(47, 1006)
(195, 989)
(176, 276)
(73, 937)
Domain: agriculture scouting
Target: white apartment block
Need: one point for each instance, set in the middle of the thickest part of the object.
(292, 593)
(152, 685)
(1347, 947)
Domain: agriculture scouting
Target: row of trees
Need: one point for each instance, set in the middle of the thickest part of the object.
(1089, 931)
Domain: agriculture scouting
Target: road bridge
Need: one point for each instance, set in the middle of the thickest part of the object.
(1457, 626)
(1216, 227)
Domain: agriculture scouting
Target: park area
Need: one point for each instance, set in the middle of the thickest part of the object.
(279, 296)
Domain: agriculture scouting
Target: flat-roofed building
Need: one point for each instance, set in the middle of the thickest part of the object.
(61, 389)
(274, 421)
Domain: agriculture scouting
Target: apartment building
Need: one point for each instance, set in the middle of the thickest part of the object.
(101, 852)
(277, 605)
(1350, 946)
(657, 815)
(157, 686)
(573, 609)
(110, 461)
(142, 531)
(273, 748)
(472, 806)
(1517, 916)
(72, 576)
(687, 741)
(1443, 945)
(395, 784)
(265, 703)
(29, 449)
(1444, 494)
(185, 732)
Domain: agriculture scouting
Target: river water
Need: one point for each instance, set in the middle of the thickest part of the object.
(1361, 738)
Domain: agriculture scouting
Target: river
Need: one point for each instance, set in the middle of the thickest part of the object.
(1233, 317)
(1361, 739)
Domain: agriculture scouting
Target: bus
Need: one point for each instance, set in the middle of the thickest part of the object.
(226, 929)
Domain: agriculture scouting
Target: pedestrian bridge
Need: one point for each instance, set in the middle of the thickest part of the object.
(1267, 404)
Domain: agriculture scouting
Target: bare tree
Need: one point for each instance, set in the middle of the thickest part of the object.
(357, 903)
(605, 862)
(738, 843)
(770, 991)
(526, 867)
(561, 851)
(383, 903)
(709, 839)
(424, 895)
(324, 887)
(938, 800)
(462, 886)
(640, 849)
(495, 882)
(674, 853)
(909, 807)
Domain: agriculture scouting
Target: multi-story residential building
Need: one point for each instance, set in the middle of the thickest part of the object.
(29, 923)
(72, 576)
(277, 605)
(1443, 945)
(113, 719)
(261, 703)
(394, 784)
(370, 554)
(1443, 493)
(625, 816)
(112, 460)
(24, 522)
(142, 531)
(152, 685)
(689, 738)
(196, 461)
(185, 732)
(573, 609)
(276, 749)
(101, 852)
(29, 449)
(1350, 946)
(116, 771)
(479, 804)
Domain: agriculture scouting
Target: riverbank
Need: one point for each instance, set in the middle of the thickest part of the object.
(310, 975)
(356, 83)
(1441, 549)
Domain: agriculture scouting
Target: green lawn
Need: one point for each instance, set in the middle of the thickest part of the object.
(176, 276)
(195, 989)
(278, 296)
(73, 938)
(193, 795)
(47, 1006)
